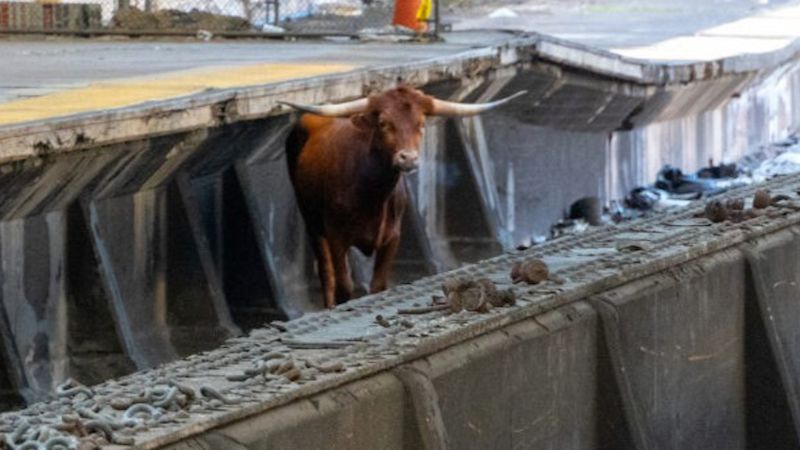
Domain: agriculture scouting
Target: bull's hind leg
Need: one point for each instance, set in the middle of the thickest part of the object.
(384, 257)
(325, 270)
(344, 284)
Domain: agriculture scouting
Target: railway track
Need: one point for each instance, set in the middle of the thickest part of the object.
(286, 361)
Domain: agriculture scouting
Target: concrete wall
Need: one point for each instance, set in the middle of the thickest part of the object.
(702, 355)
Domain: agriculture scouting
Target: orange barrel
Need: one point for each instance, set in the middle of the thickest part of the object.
(406, 13)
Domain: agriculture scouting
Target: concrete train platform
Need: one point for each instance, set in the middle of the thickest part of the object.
(44, 80)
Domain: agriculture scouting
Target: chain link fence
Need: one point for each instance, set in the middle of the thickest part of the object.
(213, 17)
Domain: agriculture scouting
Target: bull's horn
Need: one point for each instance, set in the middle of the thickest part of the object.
(454, 109)
(337, 110)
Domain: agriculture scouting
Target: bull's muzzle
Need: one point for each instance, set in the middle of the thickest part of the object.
(406, 160)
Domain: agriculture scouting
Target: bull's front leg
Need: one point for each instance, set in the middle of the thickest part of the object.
(384, 257)
(344, 284)
(325, 270)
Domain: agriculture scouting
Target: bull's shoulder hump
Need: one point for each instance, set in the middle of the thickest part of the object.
(313, 122)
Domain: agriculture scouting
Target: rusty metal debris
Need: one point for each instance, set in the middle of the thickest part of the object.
(72, 388)
(424, 309)
(479, 295)
(761, 199)
(733, 209)
(716, 212)
(461, 293)
(532, 271)
(735, 204)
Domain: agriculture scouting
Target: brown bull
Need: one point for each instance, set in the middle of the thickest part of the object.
(346, 162)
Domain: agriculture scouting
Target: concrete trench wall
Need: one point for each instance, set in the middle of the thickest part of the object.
(703, 355)
(124, 256)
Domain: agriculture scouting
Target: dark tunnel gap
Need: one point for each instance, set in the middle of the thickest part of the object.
(466, 227)
(93, 342)
(191, 315)
(244, 273)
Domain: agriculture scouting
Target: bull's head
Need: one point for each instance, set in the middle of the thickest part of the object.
(397, 118)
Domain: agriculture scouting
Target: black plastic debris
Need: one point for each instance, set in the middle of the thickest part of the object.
(674, 181)
(589, 209)
(719, 171)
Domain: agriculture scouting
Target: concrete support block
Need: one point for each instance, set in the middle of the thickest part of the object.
(676, 340)
(532, 385)
(279, 227)
(774, 369)
(367, 414)
(34, 295)
(166, 297)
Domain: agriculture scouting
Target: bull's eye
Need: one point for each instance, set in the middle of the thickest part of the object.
(387, 126)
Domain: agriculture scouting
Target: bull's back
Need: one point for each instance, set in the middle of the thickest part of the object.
(309, 158)
(304, 141)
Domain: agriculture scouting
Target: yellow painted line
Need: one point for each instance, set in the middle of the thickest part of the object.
(133, 91)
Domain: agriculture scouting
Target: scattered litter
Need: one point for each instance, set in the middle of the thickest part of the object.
(268, 28)
(388, 33)
(205, 35)
(503, 13)
(675, 189)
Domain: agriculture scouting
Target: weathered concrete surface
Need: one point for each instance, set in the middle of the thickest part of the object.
(677, 341)
(662, 334)
(135, 236)
(197, 233)
(532, 385)
(608, 24)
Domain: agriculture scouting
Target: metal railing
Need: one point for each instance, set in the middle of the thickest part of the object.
(204, 17)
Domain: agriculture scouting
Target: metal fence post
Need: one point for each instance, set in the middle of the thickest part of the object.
(274, 6)
(437, 18)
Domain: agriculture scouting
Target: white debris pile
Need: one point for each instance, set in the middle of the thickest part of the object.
(503, 13)
(784, 164)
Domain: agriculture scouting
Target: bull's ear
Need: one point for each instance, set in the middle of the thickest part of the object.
(361, 121)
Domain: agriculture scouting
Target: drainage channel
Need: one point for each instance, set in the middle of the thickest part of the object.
(295, 360)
